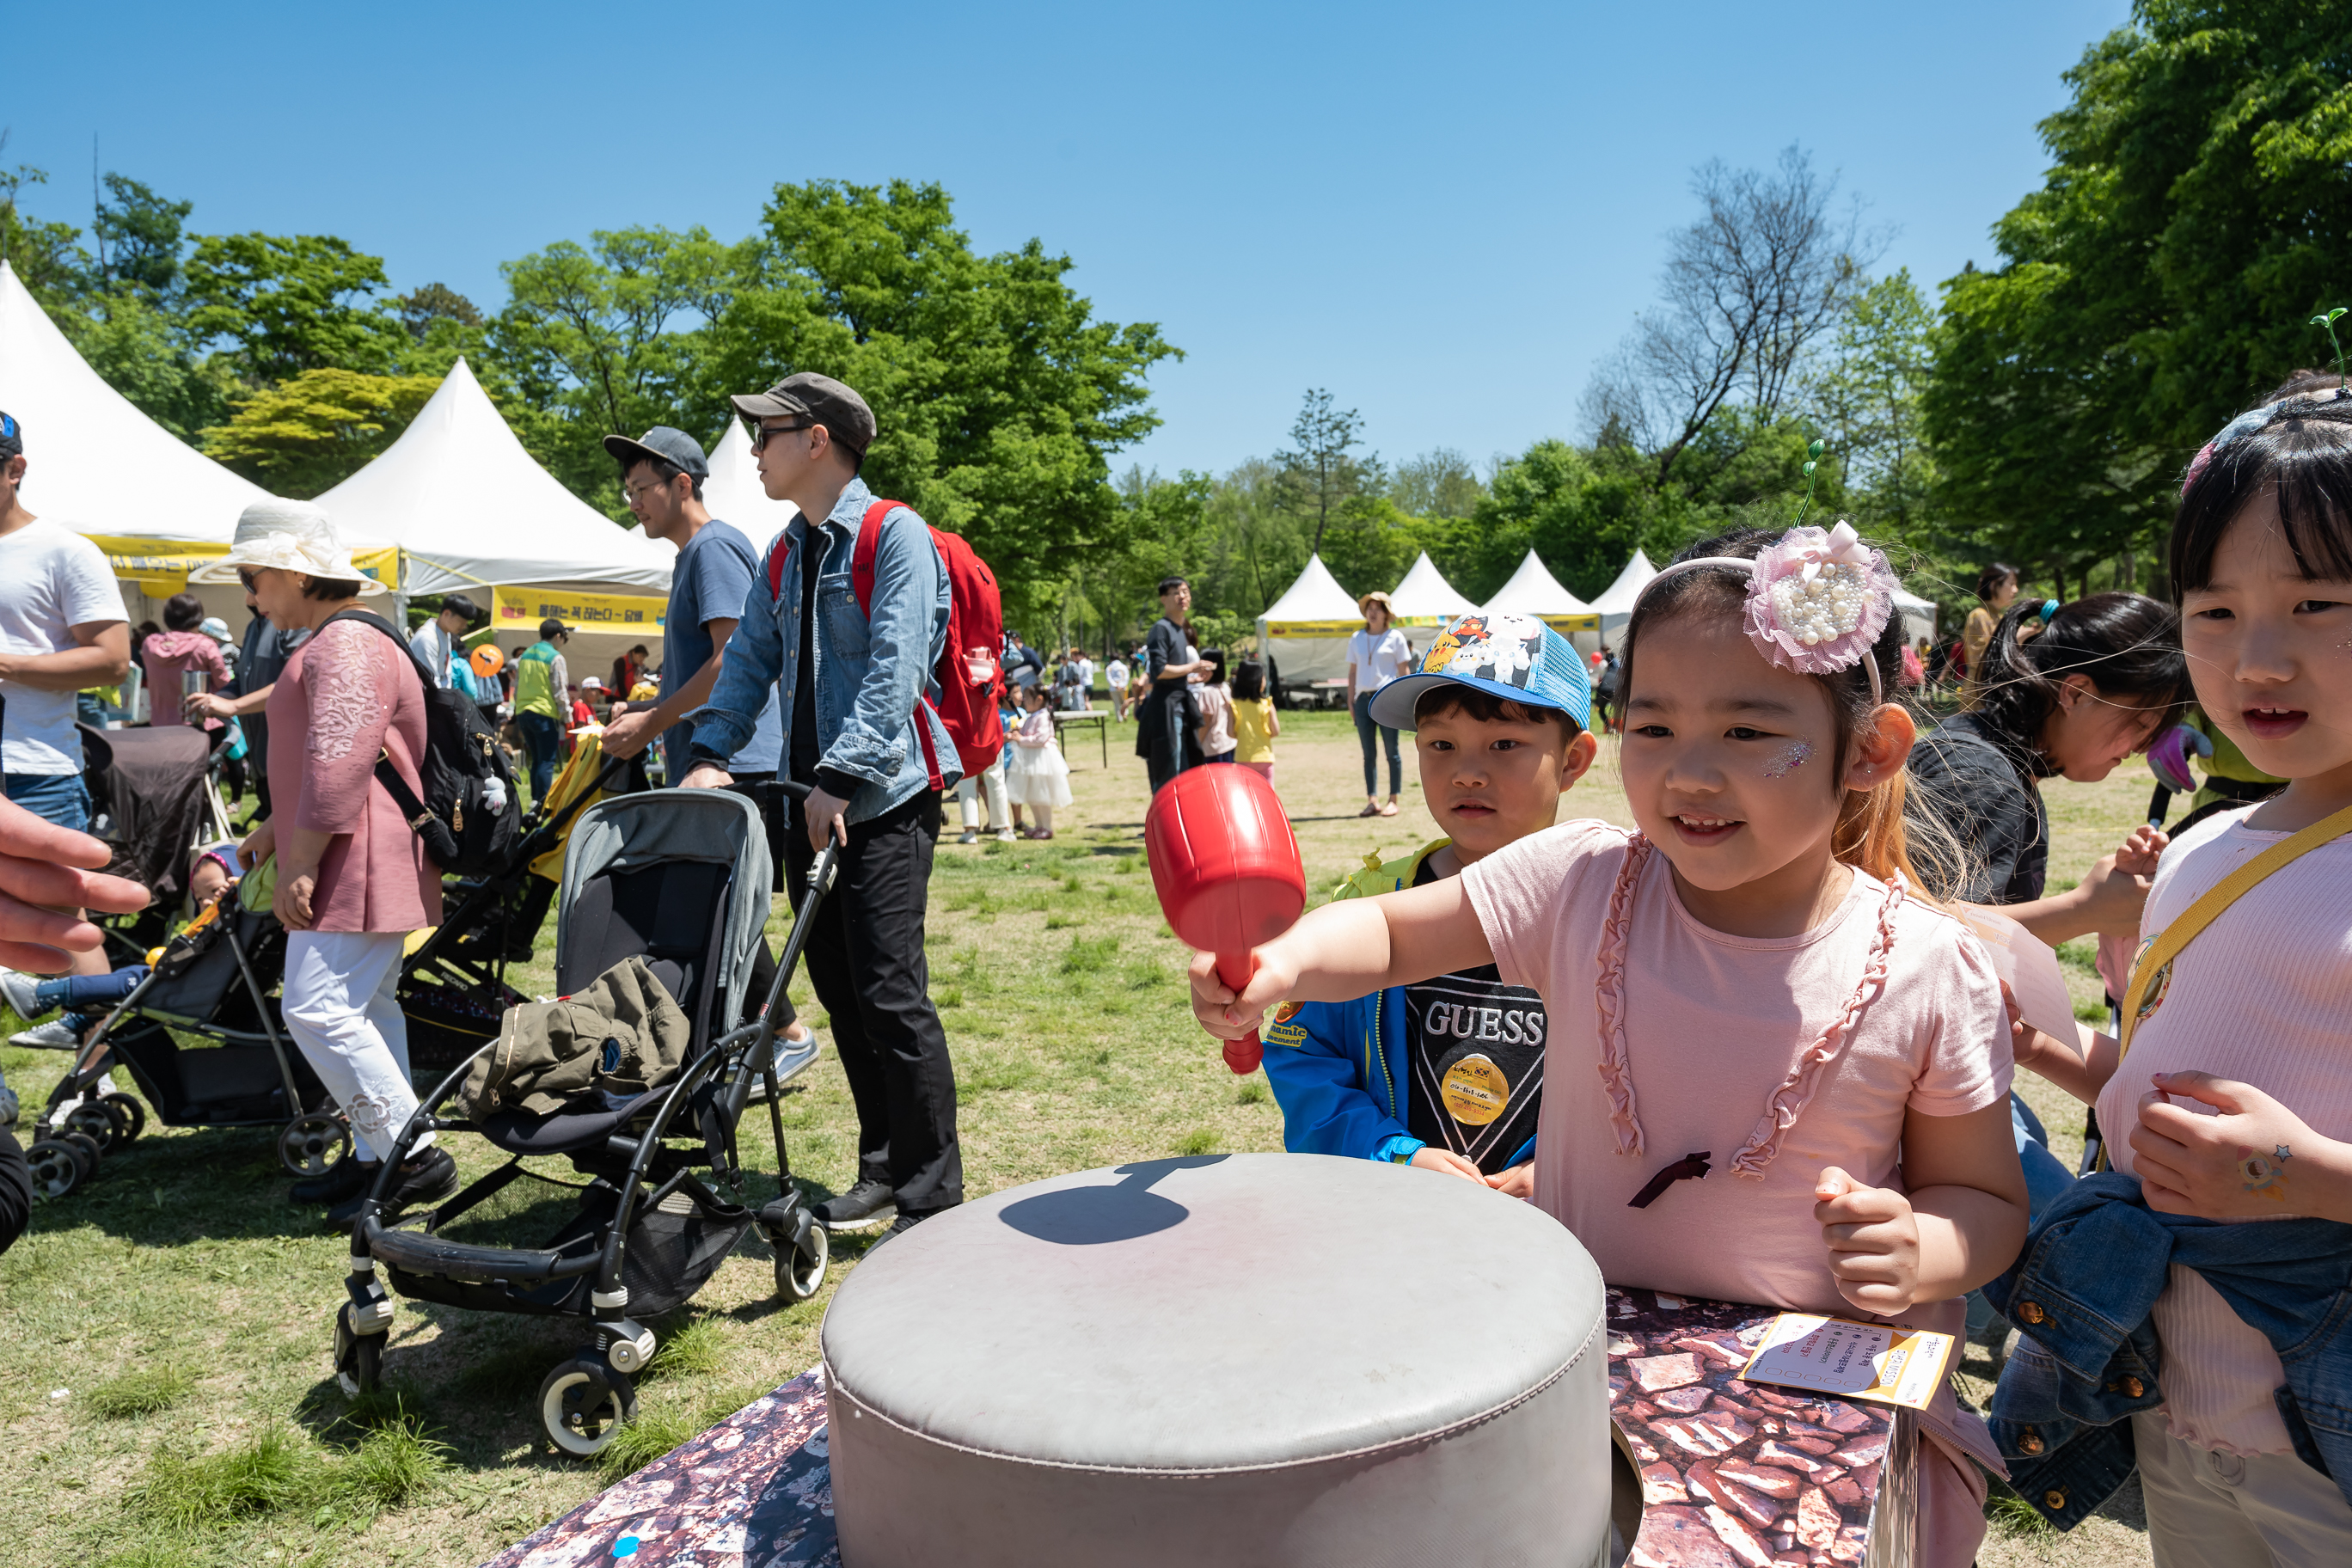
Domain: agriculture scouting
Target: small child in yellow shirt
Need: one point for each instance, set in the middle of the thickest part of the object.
(1256, 723)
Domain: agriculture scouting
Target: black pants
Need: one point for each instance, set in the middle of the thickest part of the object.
(1166, 740)
(865, 960)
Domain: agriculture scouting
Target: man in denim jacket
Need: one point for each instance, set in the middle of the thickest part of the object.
(854, 690)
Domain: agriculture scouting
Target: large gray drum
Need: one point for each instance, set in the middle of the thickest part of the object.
(1275, 1359)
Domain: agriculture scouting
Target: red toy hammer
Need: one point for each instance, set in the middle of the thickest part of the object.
(1226, 866)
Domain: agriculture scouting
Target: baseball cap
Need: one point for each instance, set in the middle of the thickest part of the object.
(819, 399)
(1516, 657)
(664, 444)
(12, 437)
(594, 683)
(549, 628)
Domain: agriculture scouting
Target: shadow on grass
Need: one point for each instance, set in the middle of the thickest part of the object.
(217, 1183)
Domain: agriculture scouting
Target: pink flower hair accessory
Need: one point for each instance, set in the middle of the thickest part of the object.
(1818, 600)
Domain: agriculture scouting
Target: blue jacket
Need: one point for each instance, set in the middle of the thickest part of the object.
(1338, 1068)
(870, 672)
(2081, 1294)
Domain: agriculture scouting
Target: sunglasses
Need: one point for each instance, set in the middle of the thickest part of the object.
(244, 578)
(760, 433)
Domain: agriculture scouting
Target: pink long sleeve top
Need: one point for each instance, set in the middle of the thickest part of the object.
(169, 654)
(347, 696)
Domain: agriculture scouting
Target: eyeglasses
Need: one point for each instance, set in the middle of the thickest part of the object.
(630, 492)
(760, 433)
(244, 578)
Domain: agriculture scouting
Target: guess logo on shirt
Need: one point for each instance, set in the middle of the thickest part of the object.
(1475, 1048)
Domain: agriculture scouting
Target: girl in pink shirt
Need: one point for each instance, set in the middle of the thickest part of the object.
(1745, 989)
(2236, 1102)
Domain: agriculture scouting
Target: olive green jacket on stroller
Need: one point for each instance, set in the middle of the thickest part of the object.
(621, 1037)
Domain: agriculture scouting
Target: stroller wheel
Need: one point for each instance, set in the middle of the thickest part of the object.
(314, 1144)
(359, 1358)
(86, 1150)
(100, 1122)
(800, 1266)
(583, 1404)
(133, 1115)
(57, 1167)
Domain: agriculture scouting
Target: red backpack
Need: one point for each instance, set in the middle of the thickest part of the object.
(969, 674)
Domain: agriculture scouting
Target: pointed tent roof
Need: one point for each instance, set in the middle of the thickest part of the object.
(1315, 597)
(97, 463)
(469, 506)
(1424, 594)
(1534, 591)
(1617, 599)
(733, 492)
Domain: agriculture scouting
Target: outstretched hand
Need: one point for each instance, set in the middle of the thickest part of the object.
(46, 873)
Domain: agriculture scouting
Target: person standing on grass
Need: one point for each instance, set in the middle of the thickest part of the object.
(62, 627)
(851, 674)
(352, 879)
(1037, 775)
(1115, 675)
(1216, 700)
(1996, 591)
(541, 703)
(662, 472)
(171, 654)
(1376, 656)
(259, 661)
(1256, 723)
(1163, 737)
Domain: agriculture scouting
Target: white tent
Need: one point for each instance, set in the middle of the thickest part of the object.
(1425, 602)
(1918, 617)
(733, 492)
(471, 510)
(1304, 633)
(1615, 603)
(1534, 591)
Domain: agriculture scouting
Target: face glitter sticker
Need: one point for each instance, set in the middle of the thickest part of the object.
(1795, 757)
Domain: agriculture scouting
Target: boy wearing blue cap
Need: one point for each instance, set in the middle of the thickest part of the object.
(1447, 1074)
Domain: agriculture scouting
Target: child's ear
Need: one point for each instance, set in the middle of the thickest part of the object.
(1579, 757)
(1880, 751)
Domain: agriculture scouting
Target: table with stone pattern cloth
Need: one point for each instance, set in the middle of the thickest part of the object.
(1740, 1475)
(754, 1491)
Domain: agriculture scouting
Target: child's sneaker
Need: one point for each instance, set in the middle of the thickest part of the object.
(57, 1035)
(17, 990)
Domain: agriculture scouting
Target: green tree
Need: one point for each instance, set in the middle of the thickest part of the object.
(1371, 544)
(1321, 472)
(143, 353)
(2194, 217)
(1001, 399)
(279, 307)
(1439, 483)
(140, 234)
(315, 429)
(43, 253)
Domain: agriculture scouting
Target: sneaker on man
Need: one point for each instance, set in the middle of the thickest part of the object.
(861, 1207)
(899, 1226)
(1005, 836)
(57, 1035)
(969, 836)
(17, 990)
(429, 1177)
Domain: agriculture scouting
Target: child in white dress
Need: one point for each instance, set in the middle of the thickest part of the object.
(1036, 775)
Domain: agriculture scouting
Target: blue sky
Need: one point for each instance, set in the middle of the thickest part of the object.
(1443, 215)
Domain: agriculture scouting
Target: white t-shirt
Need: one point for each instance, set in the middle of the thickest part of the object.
(1378, 660)
(1115, 673)
(51, 580)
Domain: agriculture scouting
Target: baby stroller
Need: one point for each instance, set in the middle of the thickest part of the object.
(153, 798)
(212, 982)
(679, 878)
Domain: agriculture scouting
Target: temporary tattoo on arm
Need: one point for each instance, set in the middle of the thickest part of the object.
(1796, 756)
(2264, 1173)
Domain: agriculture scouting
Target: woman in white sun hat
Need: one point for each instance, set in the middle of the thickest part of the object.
(352, 879)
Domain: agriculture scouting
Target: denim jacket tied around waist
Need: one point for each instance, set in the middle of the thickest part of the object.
(2081, 1294)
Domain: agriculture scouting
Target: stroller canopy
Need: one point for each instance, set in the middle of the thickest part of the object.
(714, 826)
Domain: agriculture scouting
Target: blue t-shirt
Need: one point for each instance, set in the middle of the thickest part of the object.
(714, 575)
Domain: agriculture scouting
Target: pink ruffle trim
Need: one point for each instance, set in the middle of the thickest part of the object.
(1608, 996)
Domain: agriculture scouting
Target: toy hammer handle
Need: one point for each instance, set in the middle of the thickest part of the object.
(1242, 1055)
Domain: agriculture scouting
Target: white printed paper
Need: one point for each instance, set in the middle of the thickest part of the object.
(1881, 1362)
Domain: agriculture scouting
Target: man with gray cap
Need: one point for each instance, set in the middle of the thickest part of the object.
(844, 629)
(661, 473)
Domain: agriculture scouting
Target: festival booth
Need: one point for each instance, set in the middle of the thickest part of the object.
(1918, 618)
(1534, 591)
(1302, 635)
(155, 505)
(1615, 604)
(473, 512)
(1425, 603)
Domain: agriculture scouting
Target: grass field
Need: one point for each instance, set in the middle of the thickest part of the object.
(165, 1384)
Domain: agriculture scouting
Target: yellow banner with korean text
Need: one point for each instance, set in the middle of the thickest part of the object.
(521, 609)
(161, 566)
